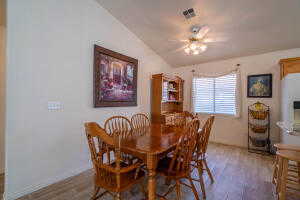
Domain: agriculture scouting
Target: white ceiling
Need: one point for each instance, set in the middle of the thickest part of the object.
(250, 26)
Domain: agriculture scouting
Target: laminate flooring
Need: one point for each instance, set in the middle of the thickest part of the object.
(239, 175)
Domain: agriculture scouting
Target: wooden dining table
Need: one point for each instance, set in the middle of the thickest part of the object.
(150, 144)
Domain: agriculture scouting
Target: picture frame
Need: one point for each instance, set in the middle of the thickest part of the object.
(115, 79)
(259, 86)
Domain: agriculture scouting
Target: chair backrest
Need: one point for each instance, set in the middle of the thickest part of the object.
(188, 116)
(102, 146)
(119, 124)
(140, 120)
(203, 136)
(178, 120)
(184, 150)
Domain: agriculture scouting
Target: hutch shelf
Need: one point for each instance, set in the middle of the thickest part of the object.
(167, 98)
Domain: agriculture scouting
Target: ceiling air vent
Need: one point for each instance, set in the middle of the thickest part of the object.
(189, 13)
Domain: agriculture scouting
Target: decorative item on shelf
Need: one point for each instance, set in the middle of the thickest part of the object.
(171, 86)
(259, 128)
(172, 97)
(259, 115)
(258, 142)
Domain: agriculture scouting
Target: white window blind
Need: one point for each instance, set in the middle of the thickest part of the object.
(215, 95)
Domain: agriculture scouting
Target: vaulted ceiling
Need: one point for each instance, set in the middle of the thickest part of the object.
(245, 27)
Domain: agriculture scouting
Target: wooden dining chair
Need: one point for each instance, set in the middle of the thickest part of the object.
(181, 119)
(287, 182)
(293, 167)
(140, 120)
(199, 158)
(111, 173)
(177, 166)
(188, 115)
(118, 123)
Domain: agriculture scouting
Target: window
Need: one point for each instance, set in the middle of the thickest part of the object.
(215, 95)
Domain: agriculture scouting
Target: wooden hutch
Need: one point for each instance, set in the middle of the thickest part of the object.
(167, 98)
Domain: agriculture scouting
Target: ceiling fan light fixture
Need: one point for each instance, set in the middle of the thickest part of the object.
(203, 47)
(187, 50)
(193, 46)
(196, 52)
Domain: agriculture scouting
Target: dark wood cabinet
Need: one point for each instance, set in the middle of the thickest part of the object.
(167, 98)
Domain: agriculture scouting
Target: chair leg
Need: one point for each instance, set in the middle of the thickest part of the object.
(178, 190)
(167, 181)
(193, 188)
(143, 190)
(200, 174)
(279, 175)
(208, 171)
(96, 191)
(282, 193)
(118, 196)
(275, 170)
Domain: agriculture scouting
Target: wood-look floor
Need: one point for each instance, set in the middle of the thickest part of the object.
(239, 175)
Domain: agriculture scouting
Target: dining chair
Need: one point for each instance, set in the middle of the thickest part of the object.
(140, 120)
(199, 158)
(122, 126)
(188, 117)
(287, 183)
(111, 173)
(118, 123)
(293, 167)
(188, 114)
(177, 166)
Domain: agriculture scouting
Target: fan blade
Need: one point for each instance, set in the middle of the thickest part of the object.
(203, 31)
(171, 40)
(179, 49)
(184, 40)
(218, 39)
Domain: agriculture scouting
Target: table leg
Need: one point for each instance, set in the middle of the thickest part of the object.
(151, 165)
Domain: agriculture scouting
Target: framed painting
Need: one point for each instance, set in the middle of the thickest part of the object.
(115, 79)
(259, 86)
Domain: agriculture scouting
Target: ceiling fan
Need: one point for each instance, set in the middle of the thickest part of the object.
(197, 42)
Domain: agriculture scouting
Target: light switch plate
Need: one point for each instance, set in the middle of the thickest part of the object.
(54, 105)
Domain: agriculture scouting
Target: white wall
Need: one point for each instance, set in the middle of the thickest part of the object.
(50, 57)
(2, 96)
(2, 83)
(230, 130)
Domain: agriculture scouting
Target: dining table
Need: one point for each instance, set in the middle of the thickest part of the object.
(150, 144)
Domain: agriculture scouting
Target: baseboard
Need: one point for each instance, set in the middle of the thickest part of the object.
(233, 145)
(35, 187)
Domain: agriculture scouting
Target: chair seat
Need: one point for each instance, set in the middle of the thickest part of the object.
(163, 169)
(108, 180)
